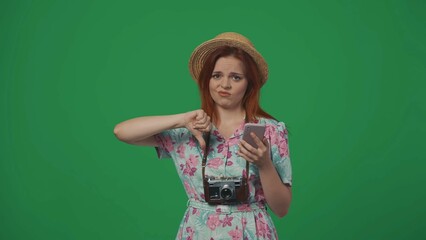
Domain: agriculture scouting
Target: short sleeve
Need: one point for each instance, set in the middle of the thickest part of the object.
(280, 153)
(167, 141)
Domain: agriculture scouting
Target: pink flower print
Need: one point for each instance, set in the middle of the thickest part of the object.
(218, 136)
(181, 151)
(224, 150)
(215, 163)
(220, 147)
(252, 177)
(244, 208)
(190, 165)
(192, 142)
(244, 172)
(243, 222)
(262, 228)
(239, 130)
(168, 144)
(259, 195)
(179, 234)
(236, 234)
(213, 221)
(233, 141)
(187, 186)
(229, 163)
(186, 217)
(227, 221)
(189, 190)
(188, 170)
(283, 148)
(192, 161)
(191, 233)
(195, 211)
(270, 132)
(284, 133)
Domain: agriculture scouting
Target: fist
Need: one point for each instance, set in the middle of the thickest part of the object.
(198, 122)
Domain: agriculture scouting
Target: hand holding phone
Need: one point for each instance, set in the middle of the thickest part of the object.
(258, 129)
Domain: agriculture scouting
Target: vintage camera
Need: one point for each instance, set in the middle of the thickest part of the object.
(225, 190)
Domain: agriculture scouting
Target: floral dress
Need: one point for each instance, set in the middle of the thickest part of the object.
(243, 221)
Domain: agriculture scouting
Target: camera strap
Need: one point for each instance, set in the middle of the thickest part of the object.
(203, 165)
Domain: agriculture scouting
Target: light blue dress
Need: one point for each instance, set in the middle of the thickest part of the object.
(244, 221)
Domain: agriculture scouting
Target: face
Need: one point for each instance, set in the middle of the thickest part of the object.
(228, 83)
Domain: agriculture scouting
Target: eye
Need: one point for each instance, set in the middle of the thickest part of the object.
(216, 76)
(236, 77)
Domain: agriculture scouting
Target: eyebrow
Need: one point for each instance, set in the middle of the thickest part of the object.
(234, 73)
(231, 73)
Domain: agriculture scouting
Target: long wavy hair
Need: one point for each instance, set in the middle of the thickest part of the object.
(252, 95)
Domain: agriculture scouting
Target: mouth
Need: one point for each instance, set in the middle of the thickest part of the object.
(224, 94)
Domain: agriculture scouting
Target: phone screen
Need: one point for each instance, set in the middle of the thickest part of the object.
(257, 129)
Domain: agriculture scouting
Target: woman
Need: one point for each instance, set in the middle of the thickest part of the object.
(209, 153)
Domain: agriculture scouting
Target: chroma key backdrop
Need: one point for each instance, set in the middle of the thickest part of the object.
(347, 78)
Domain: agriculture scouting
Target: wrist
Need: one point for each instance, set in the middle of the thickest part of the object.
(266, 166)
(180, 120)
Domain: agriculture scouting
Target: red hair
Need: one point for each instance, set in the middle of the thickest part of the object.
(251, 97)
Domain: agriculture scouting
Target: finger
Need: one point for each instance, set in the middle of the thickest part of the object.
(251, 154)
(248, 159)
(247, 146)
(201, 115)
(204, 125)
(209, 127)
(268, 147)
(258, 142)
(203, 130)
(191, 118)
(205, 120)
(201, 141)
(265, 142)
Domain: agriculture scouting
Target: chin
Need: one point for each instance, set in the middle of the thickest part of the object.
(225, 103)
(226, 106)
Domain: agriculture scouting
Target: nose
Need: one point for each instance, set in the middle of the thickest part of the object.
(225, 83)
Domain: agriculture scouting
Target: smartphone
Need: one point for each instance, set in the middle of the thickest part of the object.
(258, 129)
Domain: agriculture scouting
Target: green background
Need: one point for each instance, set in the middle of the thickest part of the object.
(347, 78)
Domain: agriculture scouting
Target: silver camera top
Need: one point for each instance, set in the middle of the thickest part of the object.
(223, 179)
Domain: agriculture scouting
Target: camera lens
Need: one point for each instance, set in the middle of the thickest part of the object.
(226, 193)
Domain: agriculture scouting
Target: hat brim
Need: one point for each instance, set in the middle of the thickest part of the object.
(203, 51)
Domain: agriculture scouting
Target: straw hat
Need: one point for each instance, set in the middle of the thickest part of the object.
(232, 39)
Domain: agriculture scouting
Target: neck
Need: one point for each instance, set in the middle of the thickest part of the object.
(231, 115)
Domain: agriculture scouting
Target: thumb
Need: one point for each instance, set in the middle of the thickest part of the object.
(200, 140)
(265, 141)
